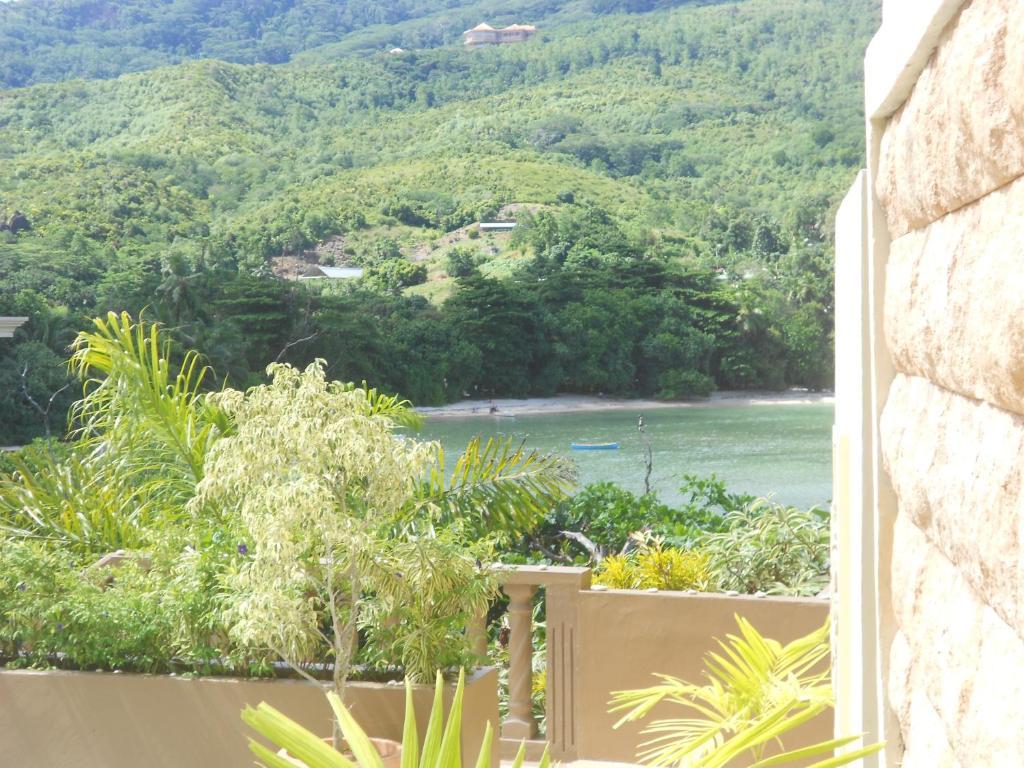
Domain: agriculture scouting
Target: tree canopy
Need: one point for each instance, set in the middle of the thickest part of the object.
(672, 166)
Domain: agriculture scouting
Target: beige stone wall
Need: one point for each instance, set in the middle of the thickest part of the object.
(960, 135)
(949, 179)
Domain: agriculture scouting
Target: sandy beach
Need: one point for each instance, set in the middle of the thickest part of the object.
(538, 406)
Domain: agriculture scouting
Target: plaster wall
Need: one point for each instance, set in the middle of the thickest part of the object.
(629, 637)
(104, 720)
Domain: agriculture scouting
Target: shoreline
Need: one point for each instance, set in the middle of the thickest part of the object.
(559, 404)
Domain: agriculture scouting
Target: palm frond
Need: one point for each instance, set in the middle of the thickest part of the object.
(392, 407)
(758, 690)
(497, 486)
(441, 747)
(285, 733)
(134, 397)
(71, 501)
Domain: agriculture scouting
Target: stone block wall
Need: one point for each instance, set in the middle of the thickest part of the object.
(950, 180)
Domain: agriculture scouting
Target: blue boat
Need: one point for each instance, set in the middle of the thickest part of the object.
(594, 446)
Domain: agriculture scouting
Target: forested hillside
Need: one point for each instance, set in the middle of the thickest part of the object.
(673, 172)
(51, 40)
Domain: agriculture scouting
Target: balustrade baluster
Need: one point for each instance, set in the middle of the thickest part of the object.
(520, 723)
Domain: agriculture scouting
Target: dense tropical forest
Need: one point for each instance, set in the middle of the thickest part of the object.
(672, 166)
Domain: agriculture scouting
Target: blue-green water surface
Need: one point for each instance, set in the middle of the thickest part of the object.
(784, 450)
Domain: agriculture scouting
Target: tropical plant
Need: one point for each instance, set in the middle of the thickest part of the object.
(602, 519)
(145, 407)
(771, 548)
(425, 591)
(317, 482)
(496, 486)
(758, 691)
(653, 565)
(140, 436)
(349, 526)
(64, 499)
(138, 616)
(441, 743)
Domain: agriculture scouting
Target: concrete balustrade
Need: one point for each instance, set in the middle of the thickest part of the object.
(600, 641)
(562, 586)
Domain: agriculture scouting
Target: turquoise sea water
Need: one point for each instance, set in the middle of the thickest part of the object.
(783, 450)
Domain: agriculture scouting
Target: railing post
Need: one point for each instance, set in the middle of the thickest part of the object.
(562, 586)
(562, 600)
(520, 723)
(476, 632)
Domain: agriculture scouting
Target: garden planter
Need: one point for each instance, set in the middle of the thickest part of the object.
(390, 753)
(105, 720)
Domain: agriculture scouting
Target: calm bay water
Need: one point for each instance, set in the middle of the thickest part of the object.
(784, 450)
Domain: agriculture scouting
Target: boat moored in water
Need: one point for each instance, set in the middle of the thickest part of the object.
(594, 446)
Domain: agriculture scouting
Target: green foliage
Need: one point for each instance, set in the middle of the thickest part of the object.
(708, 504)
(461, 262)
(771, 548)
(441, 747)
(605, 514)
(142, 435)
(759, 691)
(51, 608)
(396, 274)
(602, 518)
(652, 565)
(684, 385)
(314, 474)
(496, 487)
(140, 404)
(183, 188)
(217, 497)
(749, 544)
(143, 617)
(63, 499)
(426, 591)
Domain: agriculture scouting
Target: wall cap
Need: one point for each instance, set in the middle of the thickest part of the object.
(900, 51)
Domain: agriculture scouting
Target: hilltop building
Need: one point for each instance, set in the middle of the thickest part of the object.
(484, 34)
(334, 273)
(8, 325)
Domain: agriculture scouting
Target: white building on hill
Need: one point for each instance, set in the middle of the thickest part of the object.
(484, 34)
(8, 325)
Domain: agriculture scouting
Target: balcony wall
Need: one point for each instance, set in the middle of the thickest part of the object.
(600, 641)
(53, 719)
(626, 638)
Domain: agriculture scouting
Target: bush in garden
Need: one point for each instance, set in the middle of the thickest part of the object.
(771, 548)
(132, 617)
(604, 514)
(655, 566)
(219, 497)
(600, 519)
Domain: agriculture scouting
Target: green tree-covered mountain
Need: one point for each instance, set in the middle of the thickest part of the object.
(673, 170)
(51, 40)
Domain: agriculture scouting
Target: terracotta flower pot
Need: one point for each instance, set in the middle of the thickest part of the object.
(390, 753)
